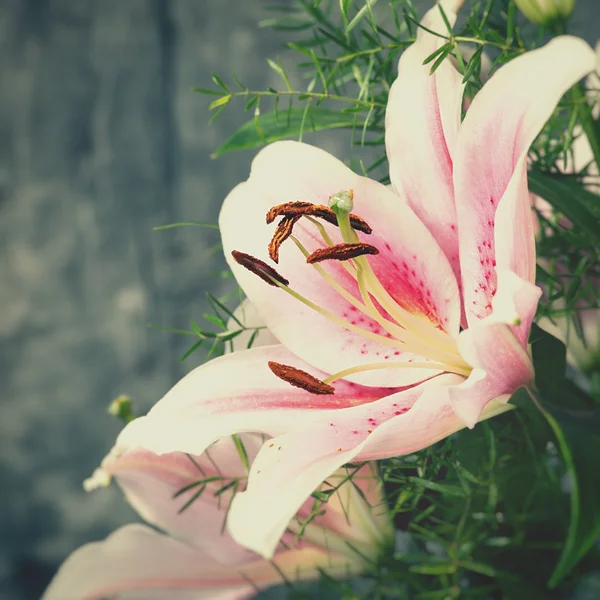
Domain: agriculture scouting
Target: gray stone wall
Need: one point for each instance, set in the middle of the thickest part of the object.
(101, 139)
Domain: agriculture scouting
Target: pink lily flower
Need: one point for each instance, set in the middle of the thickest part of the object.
(195, 557)
(372, 361)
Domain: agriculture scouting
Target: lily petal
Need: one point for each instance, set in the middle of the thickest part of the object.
(410, 264)
(289, 467)
(422, 120)
(154, 485)
(492, 199)
(138, 563)
(232, 394)
(501, 366)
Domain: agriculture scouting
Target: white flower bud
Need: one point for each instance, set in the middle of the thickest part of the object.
(543, 12)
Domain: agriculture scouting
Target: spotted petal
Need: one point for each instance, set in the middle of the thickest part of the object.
(410, 264)
(292, 465)
(233, 394)
(494, 216)
(422, 120)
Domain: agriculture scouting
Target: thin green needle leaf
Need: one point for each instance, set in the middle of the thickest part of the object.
(365, 10)
(186, 224)
(241, 451)
(220, 82)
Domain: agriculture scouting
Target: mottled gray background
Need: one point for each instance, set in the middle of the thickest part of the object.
(101, 139)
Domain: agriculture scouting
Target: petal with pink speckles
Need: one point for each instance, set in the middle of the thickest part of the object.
(236, 393)
(298, 461)
(410, 264)
(490, 180)
(422, 120)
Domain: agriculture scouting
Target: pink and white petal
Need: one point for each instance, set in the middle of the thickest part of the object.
(235, 393)
(515, 304)
(410, 264)
(291, 466)
(256, 330)
(500, 367)
(422, 121)
(511, 109)
(153, 486)
(136, 561)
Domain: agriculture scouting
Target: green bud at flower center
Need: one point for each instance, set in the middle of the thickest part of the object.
(342, 202)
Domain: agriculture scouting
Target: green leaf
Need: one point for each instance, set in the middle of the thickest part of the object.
(222, 101)
(568, 196)
(207, 91)
(549, 357)
(190, 350)
(365, 10)
(440, 59)
(578, 435)
(239, 445)
(186, 224)
(279, 69)
(220, 82)
(575, 422)
(273, 128)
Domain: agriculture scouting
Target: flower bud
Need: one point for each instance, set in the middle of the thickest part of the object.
(543, 12)
(121, 407)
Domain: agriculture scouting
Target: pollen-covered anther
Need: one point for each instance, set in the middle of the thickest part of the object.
(288, 209)
(267, 273)
(299, 209)
(341, 252)
(282, 233)
(300, 379)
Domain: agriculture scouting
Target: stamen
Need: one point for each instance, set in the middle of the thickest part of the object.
(293, 209)
(282, 233)
(267, 273)
(288, 209)
(341, 252)
(300, 379)
(396, 365)
(400, 336)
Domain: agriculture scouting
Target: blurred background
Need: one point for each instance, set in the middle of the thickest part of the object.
(102, 139)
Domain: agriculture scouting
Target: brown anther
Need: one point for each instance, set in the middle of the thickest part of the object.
(288, 209)
(260, 268)
(357, 223)
(300, 379)
(341, 252)
(282, 233)
(299, 209)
